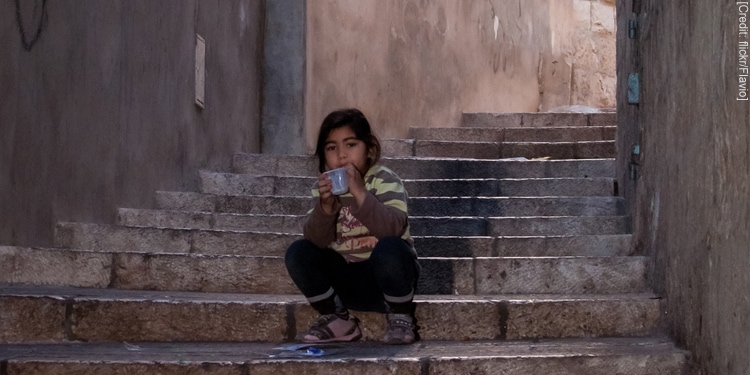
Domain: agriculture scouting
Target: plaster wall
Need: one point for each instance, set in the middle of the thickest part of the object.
(690, 203)
(100, 112)
(283, 130)
(423, 63)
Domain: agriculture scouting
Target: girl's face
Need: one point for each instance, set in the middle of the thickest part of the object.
(342, 147)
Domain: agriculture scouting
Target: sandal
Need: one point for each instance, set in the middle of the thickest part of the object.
(400, 329)
(332, 328)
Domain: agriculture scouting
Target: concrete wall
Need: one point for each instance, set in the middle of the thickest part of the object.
(100, 112)
(691, 206)
(423, 63)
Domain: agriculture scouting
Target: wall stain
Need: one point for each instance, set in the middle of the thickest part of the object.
(503, 314)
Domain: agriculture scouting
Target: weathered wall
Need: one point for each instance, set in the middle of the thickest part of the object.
(100, 113)
(284, 72)
(592, 57)
(691, 206)
(423, 63)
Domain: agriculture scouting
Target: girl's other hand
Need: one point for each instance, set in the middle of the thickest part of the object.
(327, 200)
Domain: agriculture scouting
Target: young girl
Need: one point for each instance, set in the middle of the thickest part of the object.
(357, 252)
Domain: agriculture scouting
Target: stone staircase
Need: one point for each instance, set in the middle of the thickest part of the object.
(527, 268)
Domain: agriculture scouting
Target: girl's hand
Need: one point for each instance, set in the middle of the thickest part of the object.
(327, 200)
(356, 183)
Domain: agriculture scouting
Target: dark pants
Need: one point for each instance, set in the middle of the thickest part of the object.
(378, 284)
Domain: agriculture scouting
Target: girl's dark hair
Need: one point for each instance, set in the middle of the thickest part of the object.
(355, 119)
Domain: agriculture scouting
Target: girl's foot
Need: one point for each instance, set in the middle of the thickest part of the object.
(332, 328)
(400, 329)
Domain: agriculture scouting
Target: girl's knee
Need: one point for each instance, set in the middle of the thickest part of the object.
(299, 251)
(391, 241)
(391, 248)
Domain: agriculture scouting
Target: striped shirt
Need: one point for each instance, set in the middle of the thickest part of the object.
(353, 231)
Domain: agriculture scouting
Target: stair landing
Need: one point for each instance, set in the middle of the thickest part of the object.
(552, 357)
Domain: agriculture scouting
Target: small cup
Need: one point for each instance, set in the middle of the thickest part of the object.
(340, 182)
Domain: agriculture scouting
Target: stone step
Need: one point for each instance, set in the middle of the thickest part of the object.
(268, 275)
(101, 237)
(496, 134)
(500, 150)
(525, 187)
(433, 168)
(524, 246)
(243, 184)
(533, 275)
(35, 314)
(518, 226)
(419, 225)
(592, 356)
(418, 206)
(133, 217)
(516, 206)
(86, 236)
(515, 120)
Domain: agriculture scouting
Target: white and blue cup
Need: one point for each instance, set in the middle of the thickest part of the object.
(340, 183)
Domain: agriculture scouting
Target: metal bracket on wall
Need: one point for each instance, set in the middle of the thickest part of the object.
(634, 88)
(635, 162)
(632, 28)
(200, 71)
